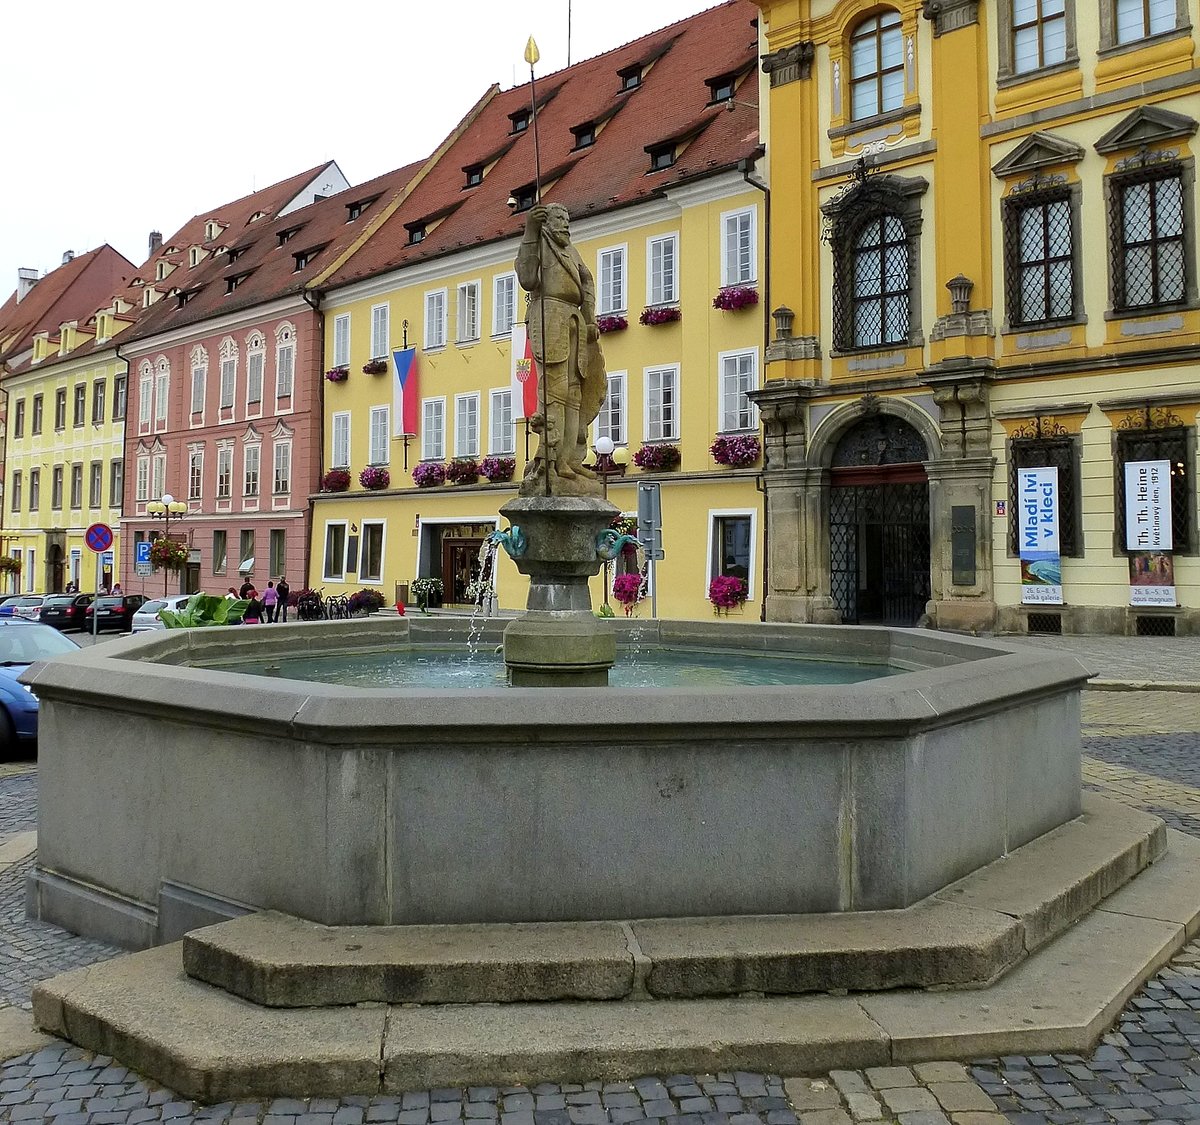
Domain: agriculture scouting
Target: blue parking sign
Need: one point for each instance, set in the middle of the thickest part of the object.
(143, 552)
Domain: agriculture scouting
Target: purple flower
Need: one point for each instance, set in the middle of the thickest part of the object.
(726, 592)
(498, 469)
(337, 374)
(657, 458)
(463, 470)
(427, 474)
(336, 480)
(735, 297)
(375, 477)
(659, 314)
(611, 323)
(737, 451)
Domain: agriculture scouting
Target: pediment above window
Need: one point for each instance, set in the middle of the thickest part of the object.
(251, 436)
(1035, 152)
(1146, 125)
(281, 431)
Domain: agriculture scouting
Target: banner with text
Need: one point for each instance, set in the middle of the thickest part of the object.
(1037, 521)
(1149, 534)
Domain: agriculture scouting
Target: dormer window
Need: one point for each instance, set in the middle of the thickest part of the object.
(212, 229)
(474, 174)
(416, 233)
(585, 134)
(161, 270)
(524, 198)
(520, 120)
(231, 283)
(185, 295)
(284, 235)
(302, 258)
(661, 156)
(149, 296)
(255, 217)
(721, 89)
(195, 257)
(235, 252)
(631, 77)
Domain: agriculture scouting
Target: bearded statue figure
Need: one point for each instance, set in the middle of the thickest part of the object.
(561, 323)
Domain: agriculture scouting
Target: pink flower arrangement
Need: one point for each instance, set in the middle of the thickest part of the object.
(375, 477)
(727, 592)
(338, 374)
(336, 480)
(736, 451)
(627, 589)
(657, 458)
(428, 474)
(735, 297)
(611, 323)
(660, 314)
(463, 470)
(376, 366)
(498, 469)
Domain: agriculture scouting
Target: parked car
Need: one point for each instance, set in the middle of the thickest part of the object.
(27, 606)
(21, 644)
(65, 611)
(114, 611)
(147, 617)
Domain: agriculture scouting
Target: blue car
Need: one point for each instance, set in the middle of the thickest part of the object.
(23, 643)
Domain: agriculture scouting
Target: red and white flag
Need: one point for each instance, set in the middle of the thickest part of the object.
(524, 375)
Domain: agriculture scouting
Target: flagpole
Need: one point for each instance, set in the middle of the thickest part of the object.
(531, 57)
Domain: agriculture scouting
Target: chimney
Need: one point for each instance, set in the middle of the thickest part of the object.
(155, 242)
(26, 280)
(68, 256)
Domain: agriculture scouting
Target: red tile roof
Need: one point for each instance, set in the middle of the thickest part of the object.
(673, 101)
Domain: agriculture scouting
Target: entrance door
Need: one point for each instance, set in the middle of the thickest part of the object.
(54, 580)
(460, 567)
(879, 524)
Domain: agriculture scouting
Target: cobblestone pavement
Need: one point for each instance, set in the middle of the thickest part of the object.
(1143, 659)
(1144, 750)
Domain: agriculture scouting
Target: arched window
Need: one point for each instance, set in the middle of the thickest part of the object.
(879, 287)
(876, 66)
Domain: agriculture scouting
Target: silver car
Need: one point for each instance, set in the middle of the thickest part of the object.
(146, 618)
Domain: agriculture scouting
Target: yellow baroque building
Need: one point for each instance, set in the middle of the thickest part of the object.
(653, 149)
(986, 265)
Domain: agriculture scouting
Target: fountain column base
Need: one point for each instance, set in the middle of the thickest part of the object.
(558, 641)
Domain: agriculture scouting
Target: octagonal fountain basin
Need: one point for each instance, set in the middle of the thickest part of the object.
(176, 790)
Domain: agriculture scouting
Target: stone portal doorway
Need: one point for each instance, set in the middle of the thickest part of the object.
(879, 523)
(460, 567)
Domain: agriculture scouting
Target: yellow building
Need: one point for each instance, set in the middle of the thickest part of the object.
(987, 265)
(652, 148)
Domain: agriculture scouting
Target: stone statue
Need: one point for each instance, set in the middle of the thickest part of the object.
(561, 322)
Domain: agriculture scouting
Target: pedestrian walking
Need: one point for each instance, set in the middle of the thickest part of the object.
(246, 587)
(270, 601)
(253, 614)
(283, 591)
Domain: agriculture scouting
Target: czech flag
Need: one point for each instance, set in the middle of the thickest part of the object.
(524, 375)
(407, 395)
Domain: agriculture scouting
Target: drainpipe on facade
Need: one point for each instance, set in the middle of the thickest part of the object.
(746, 167)
(313, 298)
(124, 579)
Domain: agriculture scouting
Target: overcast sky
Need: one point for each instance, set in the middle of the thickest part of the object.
(122, 119)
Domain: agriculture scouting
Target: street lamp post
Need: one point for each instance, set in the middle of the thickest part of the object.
(609, 460)
(166, 508)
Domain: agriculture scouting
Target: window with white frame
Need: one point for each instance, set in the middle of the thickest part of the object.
(116, 482)
(145, 397)
(251, 463)
(285, 363)
(739, 265)
(610, 422)
(199, 375)
(158, 475)
(195, 474)
(433, 429)
(662, 270)
(501, 438)
(610, 283)
(341, 340)
(381, 332)
(731, 546)
(335, 551)
(466, 425)
(228, 381)
(435, 319)
(662, 403)
(1139, 19)
(95, 484)
(256, 358)
(468, 312)
(738, 376)
(370, 567)
(504, 304)
(224, 472)
(282, 457)
(341, 440)
(162, 390)
(380, 425)
(143, 478)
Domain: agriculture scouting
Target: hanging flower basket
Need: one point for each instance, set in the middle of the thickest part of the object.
(629, 589)
(375, 367)
(463, 470)
(727, 592)
(338, 374)
(336, 480)
(659, 458)
(169, 554)
(375, 477)
(610, 322)
(498, 469)
(735, 297)
(9, 565)
(423, 589)
(429, 474)
(660, 314)
(737, 451)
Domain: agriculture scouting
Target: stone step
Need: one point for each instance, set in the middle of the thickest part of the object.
(967, 934)
(209, 1045)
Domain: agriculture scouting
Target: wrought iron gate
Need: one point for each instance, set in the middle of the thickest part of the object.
(879, 551)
